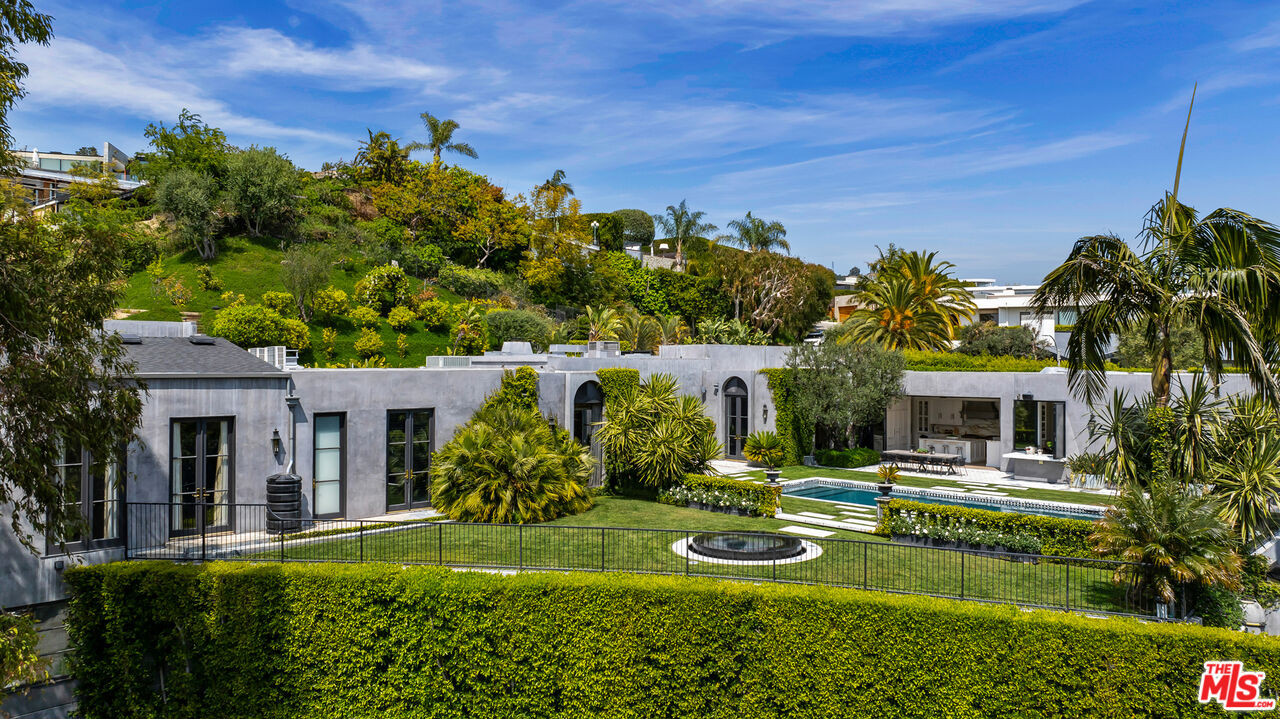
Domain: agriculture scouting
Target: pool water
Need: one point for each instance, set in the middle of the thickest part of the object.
(867, 498)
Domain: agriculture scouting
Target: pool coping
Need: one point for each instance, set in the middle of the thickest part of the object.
(1091, 510)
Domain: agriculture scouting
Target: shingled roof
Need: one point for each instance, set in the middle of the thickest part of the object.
(196, 356)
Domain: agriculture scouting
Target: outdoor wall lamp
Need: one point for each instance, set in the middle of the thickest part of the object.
(716, 390)
(765, 411)
(276, 444)
(704, 394)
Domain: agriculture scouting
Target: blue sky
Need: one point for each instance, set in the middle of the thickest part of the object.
(994, 131)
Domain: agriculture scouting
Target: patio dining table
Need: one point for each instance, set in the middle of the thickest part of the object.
(923, 461)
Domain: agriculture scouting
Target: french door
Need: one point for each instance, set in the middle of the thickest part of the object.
(328, 484)
(735, 415)
(201, 476)
(409, 458)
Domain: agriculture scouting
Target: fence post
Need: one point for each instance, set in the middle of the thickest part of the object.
(687, 544)
(440, 543)
(1068, 602)
(864, 565)
(520, 535)
(962, 553)
(362, 541)
(602, 549)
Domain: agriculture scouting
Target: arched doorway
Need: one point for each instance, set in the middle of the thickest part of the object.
(588, 412)
(735, 417)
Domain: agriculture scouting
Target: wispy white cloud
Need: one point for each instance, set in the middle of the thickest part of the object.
(72, 74)
(1267, 37)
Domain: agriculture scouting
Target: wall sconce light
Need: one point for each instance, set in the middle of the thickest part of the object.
(276, 443)
(765, 410)
(704, 394)
(716, 389)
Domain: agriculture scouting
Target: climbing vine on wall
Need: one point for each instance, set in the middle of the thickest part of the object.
(615, 380)
(786, 420)
(519, 389)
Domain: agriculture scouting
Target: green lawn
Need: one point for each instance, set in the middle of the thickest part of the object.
(251, 266)
(583, 542)
(1052, 495)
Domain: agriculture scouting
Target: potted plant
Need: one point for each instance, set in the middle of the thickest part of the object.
(765, 448)
(888, 474)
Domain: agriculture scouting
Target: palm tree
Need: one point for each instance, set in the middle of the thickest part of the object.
(555, 183)
(1119, 427)
(440, 138)
(682, 224)
(654, 437)
(672, 329)
(1247, 482)
(894, 315)
(641, 332)
(508, 465)
(602, 324)
(1219, 273)
(1175, 537)
(935, 285)
(382, 158)
(757, 235)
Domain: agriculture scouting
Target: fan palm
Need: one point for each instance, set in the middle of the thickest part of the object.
(1219, 273)
(682, 224)
(440, 138)
(602, 324)
(757, 235)
(508, 465)
(1174, 537)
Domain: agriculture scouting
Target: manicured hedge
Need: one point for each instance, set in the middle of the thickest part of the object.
(275, 641)
(1059, 537)
(848, 458)
(764, 499)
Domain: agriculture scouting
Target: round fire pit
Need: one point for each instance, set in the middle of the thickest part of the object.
(746, 546)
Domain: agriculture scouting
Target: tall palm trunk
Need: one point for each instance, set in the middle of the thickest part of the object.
(1162, 369)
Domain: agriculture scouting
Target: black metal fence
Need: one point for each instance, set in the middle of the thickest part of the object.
(240, 532)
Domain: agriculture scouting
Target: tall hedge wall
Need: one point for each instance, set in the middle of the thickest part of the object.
(237, 640)
(1060, 537)
(786, 423)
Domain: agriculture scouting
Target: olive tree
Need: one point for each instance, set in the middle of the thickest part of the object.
(843, 386)
(262, 188)
(192, 199)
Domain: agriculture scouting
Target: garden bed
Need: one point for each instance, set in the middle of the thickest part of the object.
(983, 550)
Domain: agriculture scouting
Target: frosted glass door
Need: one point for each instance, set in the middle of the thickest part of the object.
(328, 466)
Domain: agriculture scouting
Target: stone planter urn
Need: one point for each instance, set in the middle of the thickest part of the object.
(885, 488)
(771, 477)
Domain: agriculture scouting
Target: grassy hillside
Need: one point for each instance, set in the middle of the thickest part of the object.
(251, 266)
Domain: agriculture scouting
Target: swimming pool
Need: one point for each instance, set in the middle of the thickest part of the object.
(867, 498)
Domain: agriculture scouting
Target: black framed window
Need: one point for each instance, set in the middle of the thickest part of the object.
(91, 498)
(409, 433)
(201, 474)
(736, 418)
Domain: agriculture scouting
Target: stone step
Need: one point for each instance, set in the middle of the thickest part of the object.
(806, 531)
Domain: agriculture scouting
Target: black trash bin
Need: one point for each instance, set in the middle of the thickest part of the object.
(284, 503)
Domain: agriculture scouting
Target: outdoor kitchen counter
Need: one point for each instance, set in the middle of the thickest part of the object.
(1041, 467)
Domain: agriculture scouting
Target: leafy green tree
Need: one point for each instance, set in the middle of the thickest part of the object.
(756, 235)
(305, 272)
(1175, 536)
(517, 326)
(251, 326)
(63, 382)
(988, 338)
(682, 224)
(1186, 347)
(191, 198)
(1218, 274)
(509, 465)
(262, 188)
(843, 387)
(440, 138)
(189, 144)
(637, 226)
(653, 437)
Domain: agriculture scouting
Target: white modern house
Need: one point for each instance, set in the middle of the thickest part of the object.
(1010, 306)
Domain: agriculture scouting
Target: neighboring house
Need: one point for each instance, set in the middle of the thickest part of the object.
(1010, 306)
(47, 175)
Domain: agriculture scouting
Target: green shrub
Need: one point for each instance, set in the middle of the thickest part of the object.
(922, 361)
(517, 326)
(281, 302)
(382, 288)
(423, 260)
(1219, 607)
(206, 281)
(469, 283)
(401, 318)
(365, 317)
(270, 641)
(330, 302)
(296, 334)
(251, 326)
(369, 343)
(1059, 537)
(435, 315)
(519, 388)
(847, 458)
